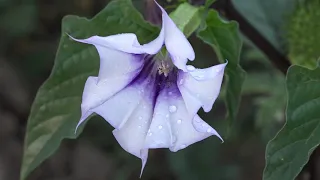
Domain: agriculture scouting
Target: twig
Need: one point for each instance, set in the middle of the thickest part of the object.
(279, 60)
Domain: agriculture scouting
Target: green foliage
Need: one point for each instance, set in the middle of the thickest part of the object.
(269, 97)
(187, 18)
(56, 109)
(224, 38)
(289, 151)
(270, 25)
(303, 34)
(209, 3)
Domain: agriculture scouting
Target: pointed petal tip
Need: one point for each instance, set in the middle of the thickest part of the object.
(144, 158)
(214, 132)
(175, 41)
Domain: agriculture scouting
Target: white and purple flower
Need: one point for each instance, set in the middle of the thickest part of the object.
(149, 97)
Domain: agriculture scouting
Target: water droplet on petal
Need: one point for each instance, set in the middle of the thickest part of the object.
(183, 146)
(150, 134)
(160, 127)
(190, 68)
(139, 126)
(167, 116)
(140, 117)
(179, 121)
(198, 120)
(181, 81)
(172, 109)
(174, 139)
(209, 130)
(170, 93)
(203, 124)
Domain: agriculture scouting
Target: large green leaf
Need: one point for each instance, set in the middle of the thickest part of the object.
(225, 40)
(56, 109)
(289, 151)
(268, 17)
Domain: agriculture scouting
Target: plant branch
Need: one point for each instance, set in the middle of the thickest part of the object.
(279, 60)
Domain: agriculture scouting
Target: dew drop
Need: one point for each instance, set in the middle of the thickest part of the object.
(179, 121)
(200, 76)
(167, 116)
(139, 127)
(170, 93)
(203, 124)
(160, 127)
(140, 117)
(150, 134)
(190, 68)
(209, 130)
(174, 139)
(181, 81)
(172, 109)
(198, 120)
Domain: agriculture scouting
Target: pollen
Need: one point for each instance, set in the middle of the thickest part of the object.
(164, 68)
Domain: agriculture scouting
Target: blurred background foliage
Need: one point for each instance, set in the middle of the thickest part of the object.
(29, 33)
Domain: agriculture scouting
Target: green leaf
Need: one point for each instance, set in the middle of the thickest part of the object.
(209, 3)
(289, 151)
(187, 18)
(270, 25)
(56, 108)
(303, 34)
(225, 40)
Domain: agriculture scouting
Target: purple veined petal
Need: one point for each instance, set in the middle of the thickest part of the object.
(113, 61)
(176, 43)
(173, 126)
(130, 112)
(96, 92)
(110, 81)
(126, 42)
(200, 87)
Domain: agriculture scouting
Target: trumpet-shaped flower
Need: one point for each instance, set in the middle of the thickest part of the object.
(150, 98)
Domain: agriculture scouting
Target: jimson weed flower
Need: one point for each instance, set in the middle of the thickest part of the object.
(149, 96)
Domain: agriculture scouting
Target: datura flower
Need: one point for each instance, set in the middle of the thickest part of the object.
(150, 98)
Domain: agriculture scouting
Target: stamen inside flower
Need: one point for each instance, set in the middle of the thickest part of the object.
(163, 68)
(164, 63)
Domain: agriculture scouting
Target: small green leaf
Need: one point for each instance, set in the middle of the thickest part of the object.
(56, 108)
(209, 3)
(289, 151)
(225, 40)
(187, 18)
